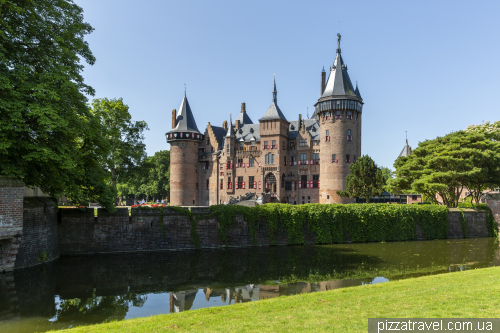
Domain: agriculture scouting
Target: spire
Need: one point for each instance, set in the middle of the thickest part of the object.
(357, 91)
(274, 111)
(230, 129)
(185, 120)
(275, 93)
(339, 84)
(323, 69)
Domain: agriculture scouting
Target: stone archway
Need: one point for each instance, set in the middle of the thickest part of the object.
(270, 183)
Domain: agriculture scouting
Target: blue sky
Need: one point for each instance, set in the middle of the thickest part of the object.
(426, 67)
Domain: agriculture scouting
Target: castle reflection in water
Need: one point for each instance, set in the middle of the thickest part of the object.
(83, 290)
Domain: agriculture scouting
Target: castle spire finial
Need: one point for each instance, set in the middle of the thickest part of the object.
(275, 93)
(406, 132)
(338, 42)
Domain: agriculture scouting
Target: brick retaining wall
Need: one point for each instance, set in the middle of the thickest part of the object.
(81, 232)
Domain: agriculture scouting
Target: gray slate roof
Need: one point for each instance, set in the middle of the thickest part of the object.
(339, 83)
(219, 134)
(406, 150)
(246, 132)
(312, 127)
(273, 112)
(244, 118)
(185, 121)
(230, 129)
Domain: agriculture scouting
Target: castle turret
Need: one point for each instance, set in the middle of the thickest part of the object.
(184, 141)
(339, 113)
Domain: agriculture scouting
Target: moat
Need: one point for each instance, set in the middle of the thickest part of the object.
(82, 290)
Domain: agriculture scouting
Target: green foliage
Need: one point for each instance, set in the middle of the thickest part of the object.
(449, 165)
(366, 179)
(48, 136)
(490, 130)
(151, 178)
(336, 223)
(42, 257)
(124, 136)
(490, 220)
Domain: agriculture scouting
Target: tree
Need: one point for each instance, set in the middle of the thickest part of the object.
(47, 138)
(449, 165)
(124, 135)
(152, 179)
(366, 180)
(491, 131)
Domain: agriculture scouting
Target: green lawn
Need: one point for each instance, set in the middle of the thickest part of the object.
(474, 293)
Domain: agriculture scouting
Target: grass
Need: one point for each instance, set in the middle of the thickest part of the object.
(467, 294)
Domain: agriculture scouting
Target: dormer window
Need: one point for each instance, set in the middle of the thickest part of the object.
(292, 127)
(241, 131)
(251, 130)
(349, 115)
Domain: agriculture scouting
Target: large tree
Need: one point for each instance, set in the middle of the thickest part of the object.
(490, 130)
(48, 137)
(447, 166)
(151, 179)
(366, 180)
(125, 136)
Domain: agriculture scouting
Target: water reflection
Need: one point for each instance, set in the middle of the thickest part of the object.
(80, 290)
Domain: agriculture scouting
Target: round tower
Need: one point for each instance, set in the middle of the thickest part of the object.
(184, 139)
(338, 111)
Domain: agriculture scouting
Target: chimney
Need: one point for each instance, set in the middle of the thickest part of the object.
(174, 111)
(300, 122)
(323, 81)
(224, 125)
(243, 108)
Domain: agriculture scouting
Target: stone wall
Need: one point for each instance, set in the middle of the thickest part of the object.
(11, 221)
(493, 201)
(147, 230)
(40, 238)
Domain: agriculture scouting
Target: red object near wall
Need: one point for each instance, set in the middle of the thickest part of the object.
(236, 185)
(243, 185)
(300, 184)
(260, 185)
(254, 184)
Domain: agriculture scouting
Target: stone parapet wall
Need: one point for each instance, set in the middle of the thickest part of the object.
(151, 229)
(39, 242)
(493, 202)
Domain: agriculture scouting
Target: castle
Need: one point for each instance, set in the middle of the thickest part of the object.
(296, 162)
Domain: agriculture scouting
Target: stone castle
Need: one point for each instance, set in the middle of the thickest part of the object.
(296, 162)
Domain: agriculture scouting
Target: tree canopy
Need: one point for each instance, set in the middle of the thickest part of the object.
(490, 130)
(125, 136)
(151, 179)
(366, 179)
(447, 166)
(48, 136)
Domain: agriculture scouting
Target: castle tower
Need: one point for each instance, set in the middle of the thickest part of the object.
(339, 113)
(274, 129)
(230, 155)
(184, 141)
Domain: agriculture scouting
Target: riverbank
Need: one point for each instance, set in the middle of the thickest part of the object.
(467, 294)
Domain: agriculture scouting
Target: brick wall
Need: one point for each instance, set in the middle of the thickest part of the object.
(11, 221)
(493, 201)
(39, 242)
(81, 232)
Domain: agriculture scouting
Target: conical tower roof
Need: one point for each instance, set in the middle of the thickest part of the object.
(230, 129)
(339, 84)
(185, 120)
(274, 111)
(244, 118)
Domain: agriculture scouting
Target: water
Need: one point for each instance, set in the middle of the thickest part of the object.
(82, 290)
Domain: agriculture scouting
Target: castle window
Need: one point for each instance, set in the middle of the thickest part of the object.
(349, 137)
(347, 160)
(334, 158)
(349, 115)
(338, 116)
(251, 162)
(265, 144)
(250, 181)
(293, 159)
(208, 186)
(303, 143)
(315, 158)
(270, 158)
(208, 141)
(292, 145)
(315, 181)
(303, 158)
(240, 182)
(222, 184)
(316, 143)
(241, 145)
(327, 133)
(252, 145)
(288, 186)
(274, 144)
(196, 185)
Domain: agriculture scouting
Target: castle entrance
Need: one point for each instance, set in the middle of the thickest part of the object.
(270, 183)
